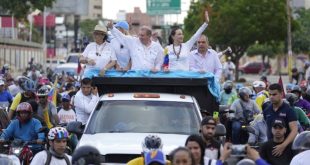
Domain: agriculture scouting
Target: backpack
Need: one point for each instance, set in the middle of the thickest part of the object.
(49, 158)
(247, 114)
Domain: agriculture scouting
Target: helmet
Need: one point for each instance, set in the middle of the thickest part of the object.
(24, 107)
(259, 84)
(244, 91)
(228, 85)
(296, 88)
(291, 98)
(239, 85)
(151, 142)
(43, 91)
(289, 86)
(29, 85)
(302, 141)
(58, 133)
(86, 155)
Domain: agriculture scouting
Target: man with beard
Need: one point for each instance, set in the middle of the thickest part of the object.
(213, 147)
(267, 149)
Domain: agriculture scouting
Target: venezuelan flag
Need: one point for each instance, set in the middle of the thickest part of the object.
(166, 58)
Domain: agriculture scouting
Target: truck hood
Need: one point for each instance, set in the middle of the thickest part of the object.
(129, 143)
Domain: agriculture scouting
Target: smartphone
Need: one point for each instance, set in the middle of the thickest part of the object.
(238, 150)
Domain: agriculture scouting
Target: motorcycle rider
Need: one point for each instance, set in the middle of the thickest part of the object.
(244, 109)
(227, 93)
(261, 93)
(302, 145)
(55, 155)
(29, 94)
(302, 103)
(25, 127)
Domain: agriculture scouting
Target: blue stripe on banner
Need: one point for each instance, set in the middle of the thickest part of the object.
(213, 83)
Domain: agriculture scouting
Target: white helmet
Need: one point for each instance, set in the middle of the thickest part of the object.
(259, 84)
(58, 133)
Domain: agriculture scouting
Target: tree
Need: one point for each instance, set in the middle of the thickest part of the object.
(87, 27)
(265, 50)
(301, 37)
(240, 23)
(21, 8)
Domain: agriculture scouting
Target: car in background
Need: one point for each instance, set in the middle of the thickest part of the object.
(67, 69)
(53, 63)
(255, 68)
(73, 57)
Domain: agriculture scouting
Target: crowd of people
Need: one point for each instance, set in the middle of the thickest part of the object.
(279, 118)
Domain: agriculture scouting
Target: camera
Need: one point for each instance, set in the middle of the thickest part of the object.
(238, 150)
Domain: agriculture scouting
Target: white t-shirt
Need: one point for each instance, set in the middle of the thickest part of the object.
(40, 159)
(105, 54)
(182, 63)
(66, 116)
(142, 57)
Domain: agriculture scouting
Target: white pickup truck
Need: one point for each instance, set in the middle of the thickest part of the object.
(125, 115)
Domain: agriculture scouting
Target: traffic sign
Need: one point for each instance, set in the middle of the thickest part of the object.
(161, 7)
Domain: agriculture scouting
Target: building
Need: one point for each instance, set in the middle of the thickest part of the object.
(94, 10)
(301, 4)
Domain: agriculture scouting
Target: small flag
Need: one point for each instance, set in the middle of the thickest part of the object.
(79, 68)
(281, 83)
(166, 58)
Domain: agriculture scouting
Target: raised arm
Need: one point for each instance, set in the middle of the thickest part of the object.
(122, 38)
(198, 33)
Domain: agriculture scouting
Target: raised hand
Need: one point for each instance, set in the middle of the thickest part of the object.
(207, 17)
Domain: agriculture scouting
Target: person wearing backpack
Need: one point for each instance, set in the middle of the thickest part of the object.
(244, 109)
(55, 155)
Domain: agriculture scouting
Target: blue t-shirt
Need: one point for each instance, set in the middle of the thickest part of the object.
(5, 98)
(285, 112)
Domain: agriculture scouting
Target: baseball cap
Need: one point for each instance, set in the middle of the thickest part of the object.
(1, 82)
(154, 156)
(208, 120)
(278, 122)
(65, 97)
(123, 25)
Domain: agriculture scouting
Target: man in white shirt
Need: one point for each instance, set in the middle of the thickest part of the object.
(85, 100)
(205, 60)
(66, 113)
(145, 54)
(229, 69)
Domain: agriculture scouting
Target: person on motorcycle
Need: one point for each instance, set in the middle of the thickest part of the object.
(303, 104)
(149, 144)
(55, 155)
(235, 97)
(5, 96)
(261, 93)
(46, 109)
(301, 144)
(227, 92)
(244, 110)
(29, 94)
(303, 121)
(24, 127)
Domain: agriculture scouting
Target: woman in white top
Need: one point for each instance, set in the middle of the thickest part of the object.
(178, 51)
(99, 54)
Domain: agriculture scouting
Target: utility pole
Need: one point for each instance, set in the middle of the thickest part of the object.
(289, 39)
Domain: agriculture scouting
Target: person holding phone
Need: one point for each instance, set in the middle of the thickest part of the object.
(85, 100)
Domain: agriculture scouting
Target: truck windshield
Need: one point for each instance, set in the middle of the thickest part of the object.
(144, 117)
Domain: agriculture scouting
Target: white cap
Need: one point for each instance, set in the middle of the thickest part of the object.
(259, 84)
(1, 82)
(101, 28)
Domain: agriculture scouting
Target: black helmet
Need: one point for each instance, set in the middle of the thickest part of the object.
(86, 155)
(291, 98)
(228, 85)
(302, 141)
(296, 88)
(151, 142)
(29, 85)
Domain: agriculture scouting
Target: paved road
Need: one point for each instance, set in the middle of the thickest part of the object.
(272, 78)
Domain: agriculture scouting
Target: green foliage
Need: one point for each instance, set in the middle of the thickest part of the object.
(301, 37)
(87, 27)
(21, 8)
